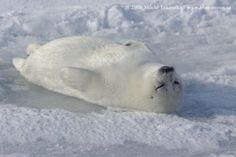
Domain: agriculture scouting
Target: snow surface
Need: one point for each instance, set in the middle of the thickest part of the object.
(200, 43)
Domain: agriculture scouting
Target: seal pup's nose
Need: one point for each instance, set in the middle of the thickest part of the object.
(166, 69)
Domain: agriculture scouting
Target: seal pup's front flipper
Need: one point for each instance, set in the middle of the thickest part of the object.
(82, 79)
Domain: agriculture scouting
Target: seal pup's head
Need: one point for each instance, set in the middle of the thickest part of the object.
(164, 88)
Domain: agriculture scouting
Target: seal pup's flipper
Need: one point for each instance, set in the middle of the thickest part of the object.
(31, 48)
(18, 63)
(81, 79)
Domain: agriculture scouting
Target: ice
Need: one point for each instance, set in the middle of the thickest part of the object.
(200, 43)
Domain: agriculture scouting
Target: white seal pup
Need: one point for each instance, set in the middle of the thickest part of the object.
(124, 76)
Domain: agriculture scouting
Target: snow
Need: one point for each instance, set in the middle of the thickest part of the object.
(199, 42)
(89, 132)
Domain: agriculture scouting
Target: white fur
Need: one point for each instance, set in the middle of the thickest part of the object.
(102, 72)
(32, 48)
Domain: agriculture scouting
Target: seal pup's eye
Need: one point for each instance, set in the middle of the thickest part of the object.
(160, 86)
(176, 82)
(128, 44)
